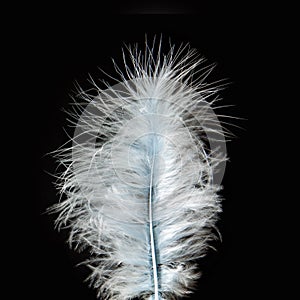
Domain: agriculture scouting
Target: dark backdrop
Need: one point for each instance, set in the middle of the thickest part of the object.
(59, 48)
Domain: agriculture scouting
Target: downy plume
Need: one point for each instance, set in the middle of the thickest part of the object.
(140, 181)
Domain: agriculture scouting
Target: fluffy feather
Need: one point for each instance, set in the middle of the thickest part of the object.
(138, 178)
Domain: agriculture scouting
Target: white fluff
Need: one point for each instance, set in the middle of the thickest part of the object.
(139, 185)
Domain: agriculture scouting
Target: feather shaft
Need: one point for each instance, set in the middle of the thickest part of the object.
(151, 227)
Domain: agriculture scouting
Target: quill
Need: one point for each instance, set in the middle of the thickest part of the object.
(139, 180)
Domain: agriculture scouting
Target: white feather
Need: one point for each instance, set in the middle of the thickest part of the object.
(139, 185)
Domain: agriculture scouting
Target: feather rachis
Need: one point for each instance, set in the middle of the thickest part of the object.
(143, 199)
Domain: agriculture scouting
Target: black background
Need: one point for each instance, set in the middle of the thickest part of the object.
(54, 49)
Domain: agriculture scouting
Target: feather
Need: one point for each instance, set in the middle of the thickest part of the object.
(138, 180)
